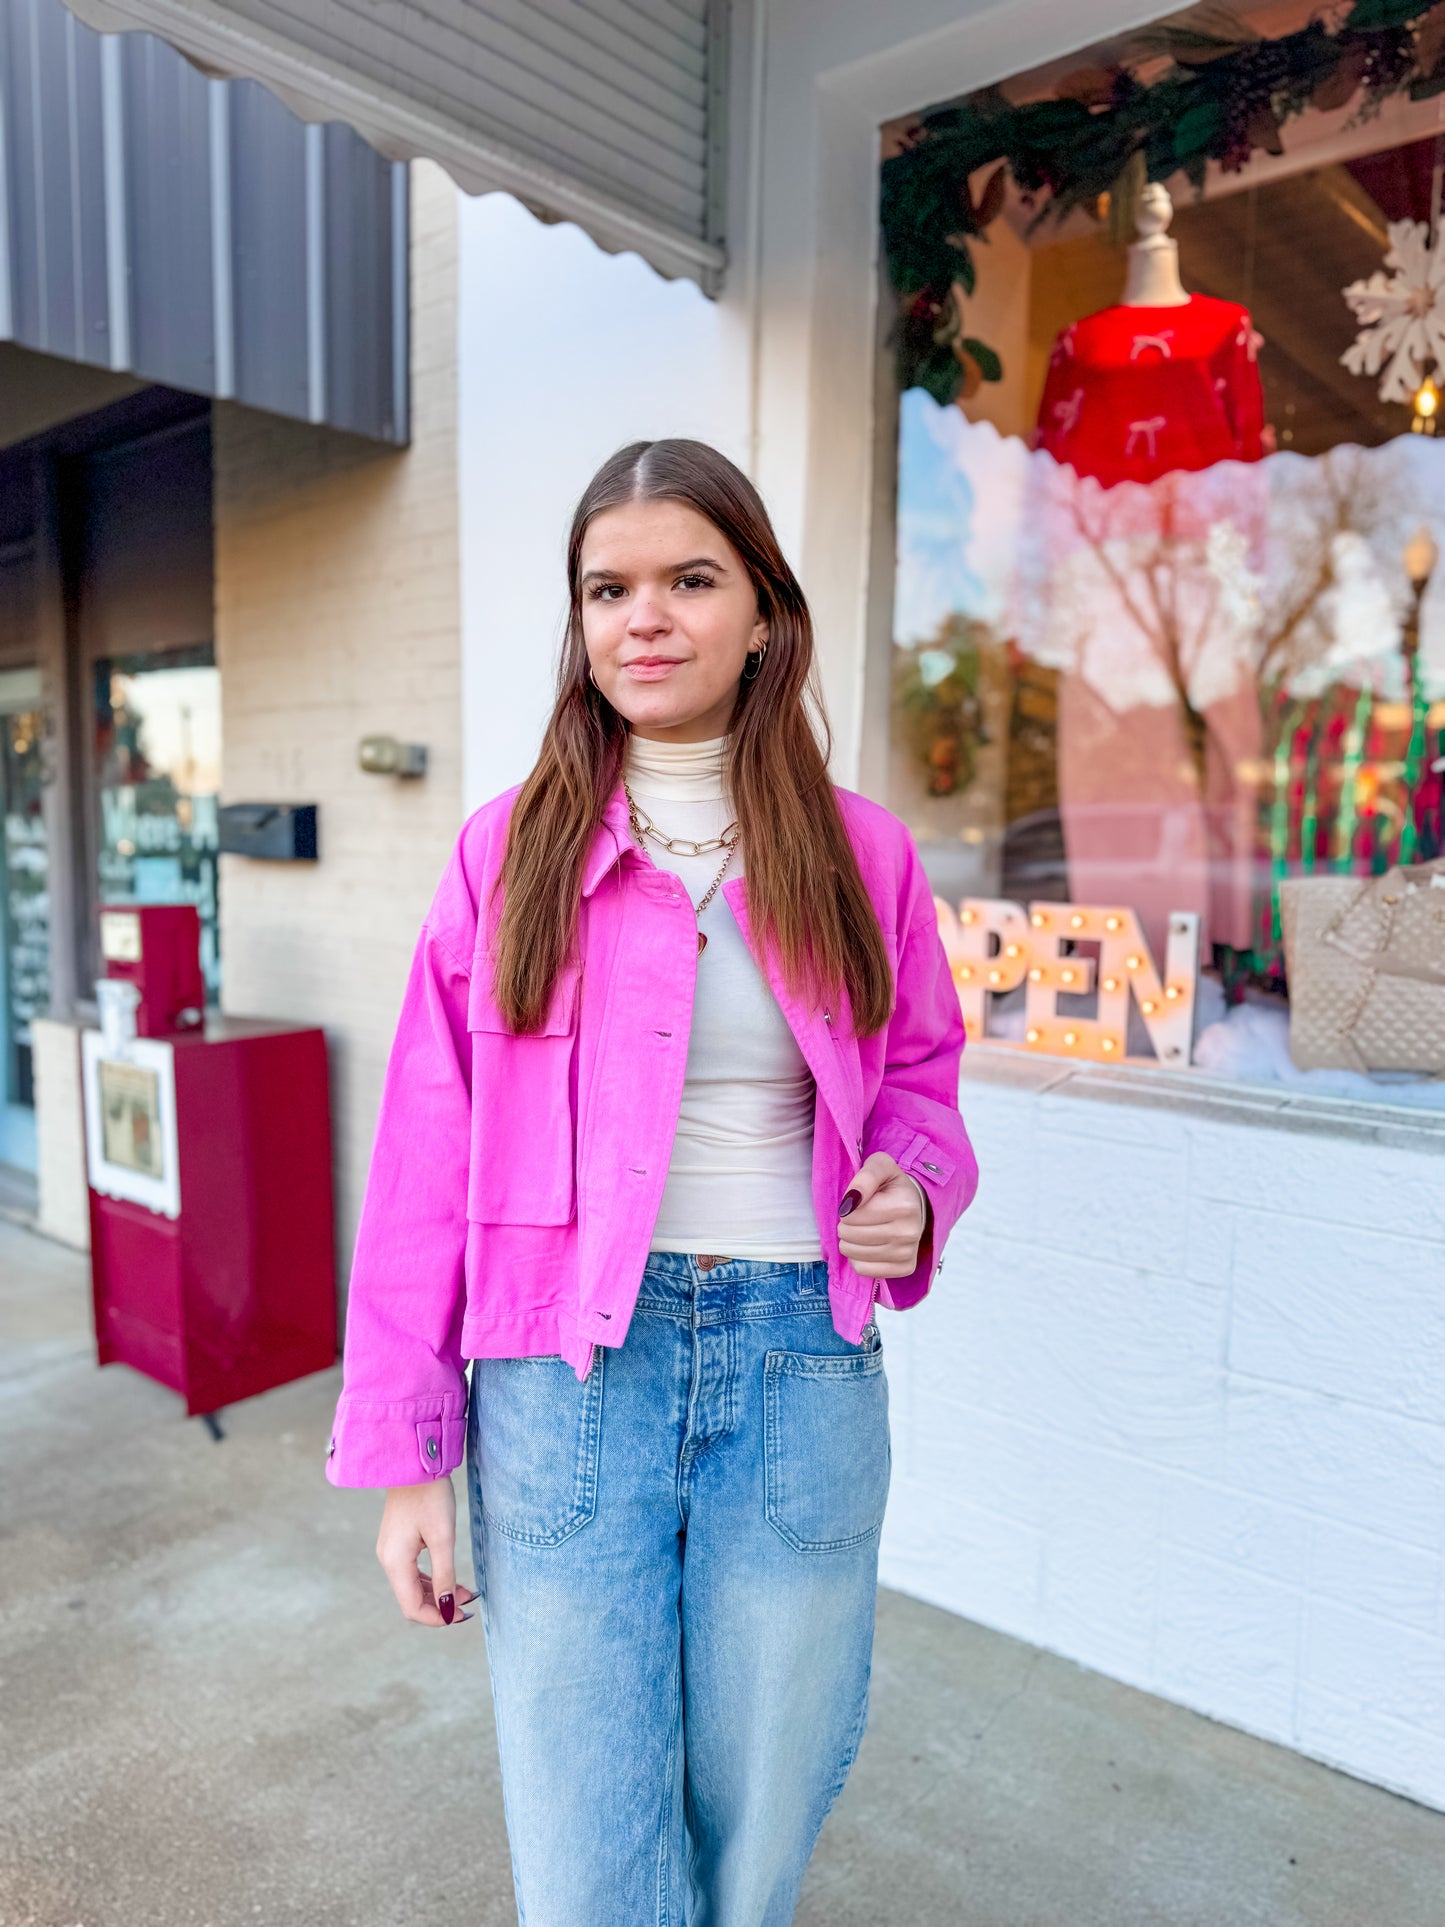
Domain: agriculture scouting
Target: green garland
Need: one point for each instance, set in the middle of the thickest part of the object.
(1106, 132)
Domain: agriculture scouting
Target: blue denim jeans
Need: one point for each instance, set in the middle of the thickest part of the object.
(678, 1563)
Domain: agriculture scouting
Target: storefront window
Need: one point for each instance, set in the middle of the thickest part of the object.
(24, 909)
(158, 768)
(1171, 347)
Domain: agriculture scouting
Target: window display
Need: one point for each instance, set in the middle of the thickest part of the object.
(1169, 505)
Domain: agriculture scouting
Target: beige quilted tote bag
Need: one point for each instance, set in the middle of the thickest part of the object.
(1366, 963)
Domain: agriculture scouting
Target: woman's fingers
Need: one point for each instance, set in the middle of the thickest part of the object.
(417, 1519)
(413, 1594)
(897, 1224)
(879, 1232)
(465, 1595)
(444, 1581)
(867, 1180)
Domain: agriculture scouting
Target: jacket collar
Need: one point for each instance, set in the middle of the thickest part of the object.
(612, 842)
(837, 1072)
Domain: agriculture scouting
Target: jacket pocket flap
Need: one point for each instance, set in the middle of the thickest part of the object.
(483, 1014)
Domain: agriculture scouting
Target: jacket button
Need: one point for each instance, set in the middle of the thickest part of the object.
(930, 1167)
(432, 1448)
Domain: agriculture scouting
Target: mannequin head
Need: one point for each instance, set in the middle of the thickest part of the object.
(1153, 278)
(1155, 211)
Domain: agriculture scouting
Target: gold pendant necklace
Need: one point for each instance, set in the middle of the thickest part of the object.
(709, 894)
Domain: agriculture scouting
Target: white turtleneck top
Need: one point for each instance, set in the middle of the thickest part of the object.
(740, 1183)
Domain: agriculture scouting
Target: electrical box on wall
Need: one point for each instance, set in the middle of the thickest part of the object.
(276, 832)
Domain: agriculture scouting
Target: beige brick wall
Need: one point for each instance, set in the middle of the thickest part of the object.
(338, 616)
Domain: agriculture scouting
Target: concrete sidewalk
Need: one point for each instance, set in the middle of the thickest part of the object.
(213, 1717)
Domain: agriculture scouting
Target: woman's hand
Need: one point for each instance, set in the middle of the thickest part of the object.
(417, 1518)
(882, 1219)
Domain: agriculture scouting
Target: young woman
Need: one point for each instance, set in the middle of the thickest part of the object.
(672, 1104)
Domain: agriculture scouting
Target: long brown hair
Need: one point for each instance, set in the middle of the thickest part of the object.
(806, 900)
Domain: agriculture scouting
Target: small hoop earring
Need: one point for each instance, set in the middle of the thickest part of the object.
(590, 677)
(752, 676)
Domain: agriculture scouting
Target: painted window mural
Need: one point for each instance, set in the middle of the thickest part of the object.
(1168, 643)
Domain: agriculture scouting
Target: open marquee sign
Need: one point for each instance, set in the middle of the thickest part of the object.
(1069, 951)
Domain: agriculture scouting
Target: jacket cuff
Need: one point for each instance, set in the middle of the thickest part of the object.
(409, 1442)
(931, 1170)
(917, 1154)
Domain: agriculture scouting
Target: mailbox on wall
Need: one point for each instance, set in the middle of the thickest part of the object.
(274, 832)
(209, 1160)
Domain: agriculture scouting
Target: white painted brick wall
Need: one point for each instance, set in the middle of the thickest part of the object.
(1175, 1406)
(338, 616)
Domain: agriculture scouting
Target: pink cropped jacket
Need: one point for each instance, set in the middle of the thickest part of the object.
(515, 1180)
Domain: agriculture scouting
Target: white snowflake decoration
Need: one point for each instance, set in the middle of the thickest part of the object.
(1402, 311)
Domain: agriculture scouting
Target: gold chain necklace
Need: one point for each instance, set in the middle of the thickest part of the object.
(643, 826)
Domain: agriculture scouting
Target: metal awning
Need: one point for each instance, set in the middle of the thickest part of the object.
(604, 112)
(194, 232)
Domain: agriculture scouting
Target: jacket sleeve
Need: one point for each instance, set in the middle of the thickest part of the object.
(915, 1117)
(402, 1411)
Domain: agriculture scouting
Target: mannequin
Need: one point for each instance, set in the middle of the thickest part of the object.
(1153, 279)
(1163, 380)
(1154, 392)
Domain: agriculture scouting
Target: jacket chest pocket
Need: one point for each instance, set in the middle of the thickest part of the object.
(523, 1150)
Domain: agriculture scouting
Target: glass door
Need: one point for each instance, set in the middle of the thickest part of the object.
(158, 778)
(24, 910)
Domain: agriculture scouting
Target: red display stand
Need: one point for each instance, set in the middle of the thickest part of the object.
(219, 1278)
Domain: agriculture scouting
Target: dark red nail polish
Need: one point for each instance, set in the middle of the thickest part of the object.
(851, 1200)
(447, 1607)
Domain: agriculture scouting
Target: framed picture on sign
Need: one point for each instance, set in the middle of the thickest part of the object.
(130, 1118)
(131, 1147)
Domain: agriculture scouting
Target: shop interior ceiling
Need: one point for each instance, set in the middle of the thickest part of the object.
(1284, 235)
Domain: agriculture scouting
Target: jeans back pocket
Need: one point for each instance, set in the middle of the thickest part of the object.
(538, 1440)
(827, 1454)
